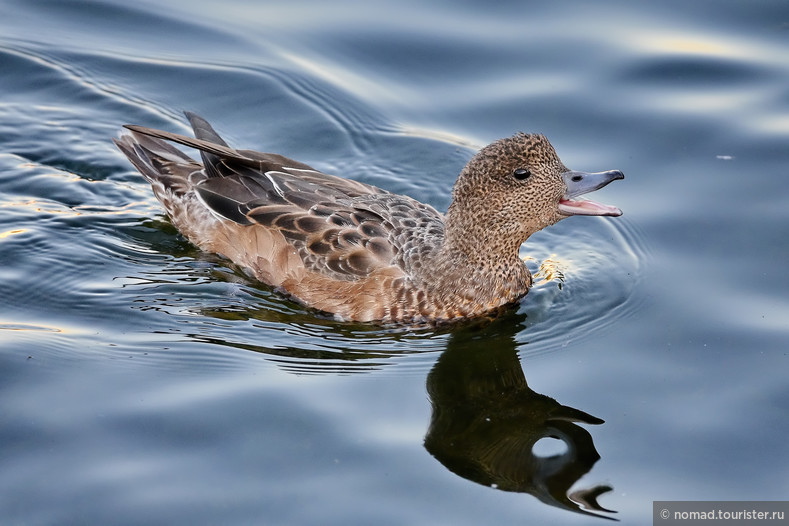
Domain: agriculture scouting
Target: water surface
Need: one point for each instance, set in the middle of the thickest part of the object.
(145, 382)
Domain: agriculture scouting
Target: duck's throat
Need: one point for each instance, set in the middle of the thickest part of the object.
(482, 281)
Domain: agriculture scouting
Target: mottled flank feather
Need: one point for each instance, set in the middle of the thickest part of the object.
(349, 248)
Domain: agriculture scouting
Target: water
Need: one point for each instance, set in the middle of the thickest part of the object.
(144, 382)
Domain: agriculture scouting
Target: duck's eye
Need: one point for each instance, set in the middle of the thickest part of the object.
(522, 174)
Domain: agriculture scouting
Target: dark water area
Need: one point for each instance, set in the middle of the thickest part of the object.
(145, 382)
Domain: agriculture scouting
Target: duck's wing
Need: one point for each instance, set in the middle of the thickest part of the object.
(343, 236)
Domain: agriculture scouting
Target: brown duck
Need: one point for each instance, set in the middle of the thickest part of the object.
(357, 251)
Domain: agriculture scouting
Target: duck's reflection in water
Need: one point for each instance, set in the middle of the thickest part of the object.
(486, 421)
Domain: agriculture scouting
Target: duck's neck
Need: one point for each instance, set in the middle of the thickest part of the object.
(472, 258)
(481, 239)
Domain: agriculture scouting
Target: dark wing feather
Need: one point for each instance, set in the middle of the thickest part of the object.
(225, 199)
(204, 131)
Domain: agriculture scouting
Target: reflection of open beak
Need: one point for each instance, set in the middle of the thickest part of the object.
(579, 183)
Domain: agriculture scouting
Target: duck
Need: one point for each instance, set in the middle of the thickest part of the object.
(358, 252)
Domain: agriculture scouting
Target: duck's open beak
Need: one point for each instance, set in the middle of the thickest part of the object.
(579, 183)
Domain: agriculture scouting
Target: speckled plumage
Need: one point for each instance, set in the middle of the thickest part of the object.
(355, 250)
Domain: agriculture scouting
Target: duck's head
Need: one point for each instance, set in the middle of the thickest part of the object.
(517, 186)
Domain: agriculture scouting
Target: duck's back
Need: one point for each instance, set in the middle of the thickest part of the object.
(336, 244)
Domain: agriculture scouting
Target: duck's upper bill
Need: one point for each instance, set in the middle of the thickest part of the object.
(579, 183)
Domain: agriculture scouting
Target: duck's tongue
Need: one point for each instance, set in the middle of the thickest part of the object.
(579, 183)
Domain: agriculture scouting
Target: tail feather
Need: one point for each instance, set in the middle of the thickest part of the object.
(157, 161)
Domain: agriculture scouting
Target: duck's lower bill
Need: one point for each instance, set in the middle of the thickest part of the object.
(586, 207)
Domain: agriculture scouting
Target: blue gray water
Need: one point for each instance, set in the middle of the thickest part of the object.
(144, 382)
